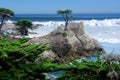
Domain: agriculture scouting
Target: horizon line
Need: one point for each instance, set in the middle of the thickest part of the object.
(72, 13)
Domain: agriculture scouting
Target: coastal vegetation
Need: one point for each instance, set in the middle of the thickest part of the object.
(5, 13)
(18, 61)
(23, 26)
(90, 70)
(66, 14)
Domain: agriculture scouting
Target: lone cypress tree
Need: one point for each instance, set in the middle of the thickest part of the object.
(5, 13)
(23, 26)
(66, 14)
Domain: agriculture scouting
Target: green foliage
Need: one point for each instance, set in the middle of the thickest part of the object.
(98, 57)
(64, 11)
(4, 11)
(17, 62)
(86, 70)
(64, 34)
(24, 25)
(47, 67)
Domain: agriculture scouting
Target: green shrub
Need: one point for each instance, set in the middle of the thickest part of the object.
(87, 70)
(65, 34)
(17, 61)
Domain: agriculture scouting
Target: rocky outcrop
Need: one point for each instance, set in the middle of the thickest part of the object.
(75, 45)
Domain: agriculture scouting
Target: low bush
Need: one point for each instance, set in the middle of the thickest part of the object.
(17, 62)
(87, 70)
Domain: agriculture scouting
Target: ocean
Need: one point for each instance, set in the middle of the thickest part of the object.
(105, 28)
(56, 17)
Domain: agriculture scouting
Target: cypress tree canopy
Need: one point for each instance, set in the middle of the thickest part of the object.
(6, 12)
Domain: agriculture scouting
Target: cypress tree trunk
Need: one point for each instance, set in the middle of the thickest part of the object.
(66, 24)
(2, 20)
(66, 21)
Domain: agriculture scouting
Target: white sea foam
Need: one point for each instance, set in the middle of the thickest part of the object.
(106, 22)
(109, 34)
(93, 22)
(49, 23)
(9, 22)
(42, 30)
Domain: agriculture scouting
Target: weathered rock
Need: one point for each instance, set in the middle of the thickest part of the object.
(75, 45)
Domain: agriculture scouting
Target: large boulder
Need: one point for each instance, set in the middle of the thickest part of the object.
(76, 44)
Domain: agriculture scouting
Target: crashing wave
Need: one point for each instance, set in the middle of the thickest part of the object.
(105, 22)
(93, 22)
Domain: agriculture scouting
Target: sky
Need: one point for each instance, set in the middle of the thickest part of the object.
(51, 6)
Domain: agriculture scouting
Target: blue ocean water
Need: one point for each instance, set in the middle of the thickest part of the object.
(58, 17)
